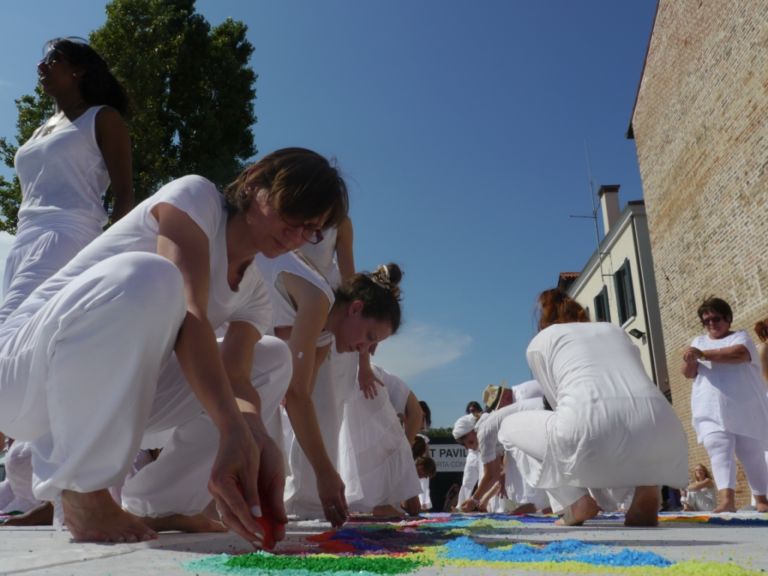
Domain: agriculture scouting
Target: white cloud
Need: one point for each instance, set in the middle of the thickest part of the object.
(421, 347)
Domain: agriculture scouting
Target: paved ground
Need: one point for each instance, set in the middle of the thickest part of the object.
(43, 551)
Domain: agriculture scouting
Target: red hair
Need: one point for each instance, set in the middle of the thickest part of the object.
(556, 307)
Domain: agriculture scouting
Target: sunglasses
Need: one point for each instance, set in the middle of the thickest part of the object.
(50, 58)
(711, 320)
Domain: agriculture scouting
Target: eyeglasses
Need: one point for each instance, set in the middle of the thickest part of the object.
(308, 233)
(711, 320)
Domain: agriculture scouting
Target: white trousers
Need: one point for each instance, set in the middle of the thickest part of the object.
(723, 449)
(177, 482)
(17, 487)
(93, 369)
(36, 255)
(469, 479)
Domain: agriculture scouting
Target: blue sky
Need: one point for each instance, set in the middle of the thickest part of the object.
(462, 127)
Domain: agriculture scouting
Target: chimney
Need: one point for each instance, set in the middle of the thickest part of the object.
(609, 202)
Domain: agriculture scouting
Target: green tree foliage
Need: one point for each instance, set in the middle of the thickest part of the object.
(191, 92)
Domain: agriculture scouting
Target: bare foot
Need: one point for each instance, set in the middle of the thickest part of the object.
(726, 501)
(761, 503)
(644, 510)
(95, 517)
(41, 515)
(579, 512)
(412, 506)
(525, 509)
(386, 511)
(181, 523)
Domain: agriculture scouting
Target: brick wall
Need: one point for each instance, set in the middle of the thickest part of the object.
(701, 130)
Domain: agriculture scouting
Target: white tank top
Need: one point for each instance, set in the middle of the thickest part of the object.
(323, 256)
(63, 175)
(283, 307)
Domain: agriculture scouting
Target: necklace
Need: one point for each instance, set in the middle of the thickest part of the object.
(52, 124)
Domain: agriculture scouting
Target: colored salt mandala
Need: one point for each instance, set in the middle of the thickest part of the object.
(491, 542)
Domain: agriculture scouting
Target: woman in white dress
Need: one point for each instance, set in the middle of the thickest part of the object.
(728, 403)
(121, 342)
(311, 317)
(700, 493)
(64, 170)
(66, 167)
(610, 426)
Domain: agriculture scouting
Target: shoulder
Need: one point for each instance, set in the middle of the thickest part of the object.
(108, 118)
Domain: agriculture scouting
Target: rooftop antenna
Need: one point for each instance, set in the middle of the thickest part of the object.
(593, 216)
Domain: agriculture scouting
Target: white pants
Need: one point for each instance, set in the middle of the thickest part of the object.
(36, 255)
(177, 482)
(470, 477)
(723, 449)
(17, 486)
(93, 369)
(526, 431)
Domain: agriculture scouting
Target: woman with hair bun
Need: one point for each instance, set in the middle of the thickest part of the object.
(66, 167)
(610, 426)
(310, 317)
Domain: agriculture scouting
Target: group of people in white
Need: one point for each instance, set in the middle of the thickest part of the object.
(193, 328)
(592, 432)
(228, 332)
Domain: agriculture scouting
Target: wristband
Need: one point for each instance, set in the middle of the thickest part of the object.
(703, 354)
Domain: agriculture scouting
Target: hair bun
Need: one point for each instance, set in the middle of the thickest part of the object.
(388, 276)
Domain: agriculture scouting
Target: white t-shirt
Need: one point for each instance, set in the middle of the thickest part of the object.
(397, 389)
(729, 397)
(137, 232)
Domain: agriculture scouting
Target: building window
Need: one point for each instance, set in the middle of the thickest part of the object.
(602, 312)
(625, 295)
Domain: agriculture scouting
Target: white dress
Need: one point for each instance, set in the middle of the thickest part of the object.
(729, 397)
(611, 427)
(301, 496)
(63, 178)
(87, 364)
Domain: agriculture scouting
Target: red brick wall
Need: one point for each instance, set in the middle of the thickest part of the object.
(701, 131)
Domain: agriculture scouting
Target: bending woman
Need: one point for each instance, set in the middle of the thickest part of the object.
(610, 426)
(121, 341)
(66, 167)
(363, 311)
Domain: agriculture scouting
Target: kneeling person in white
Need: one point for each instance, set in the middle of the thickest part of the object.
(610, 428)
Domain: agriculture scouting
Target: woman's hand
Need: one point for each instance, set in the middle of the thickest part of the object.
(234, 481)
(330, 488)
(368, 382)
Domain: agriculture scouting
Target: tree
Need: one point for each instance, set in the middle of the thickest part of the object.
(191, 92)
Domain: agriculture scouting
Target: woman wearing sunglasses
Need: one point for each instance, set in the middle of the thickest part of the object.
(66, 167)
(728, 403)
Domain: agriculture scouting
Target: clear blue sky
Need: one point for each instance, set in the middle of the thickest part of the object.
(461, 126)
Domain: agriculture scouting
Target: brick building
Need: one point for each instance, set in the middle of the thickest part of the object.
(700, 124)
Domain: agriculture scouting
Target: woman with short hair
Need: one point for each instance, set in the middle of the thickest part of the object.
(729, 408)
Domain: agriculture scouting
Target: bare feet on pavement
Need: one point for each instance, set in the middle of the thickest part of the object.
(579, 512)
(644, 510)
(95, 517)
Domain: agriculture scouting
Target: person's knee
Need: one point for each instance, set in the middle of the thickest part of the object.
(151, 282)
